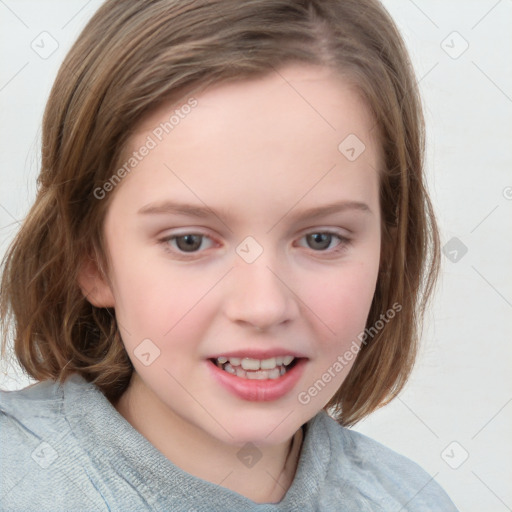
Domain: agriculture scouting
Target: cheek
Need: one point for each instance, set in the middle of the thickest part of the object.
(341, 301)
(341, 305)
(161, 301)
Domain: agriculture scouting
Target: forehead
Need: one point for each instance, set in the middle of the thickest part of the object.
(285, 102)
(292, 133)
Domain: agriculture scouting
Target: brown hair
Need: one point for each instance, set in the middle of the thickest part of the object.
(133, 56)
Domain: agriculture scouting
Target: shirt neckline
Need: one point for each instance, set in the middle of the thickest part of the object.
(110, 441)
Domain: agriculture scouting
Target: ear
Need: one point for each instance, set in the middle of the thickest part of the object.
(93, 284)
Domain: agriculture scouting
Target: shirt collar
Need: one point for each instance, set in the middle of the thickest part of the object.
(115, 446)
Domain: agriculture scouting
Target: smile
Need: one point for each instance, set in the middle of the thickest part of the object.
(256, 369)
(258, 379)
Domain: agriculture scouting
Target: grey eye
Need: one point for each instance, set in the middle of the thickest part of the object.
(319, 241)
(188, 243)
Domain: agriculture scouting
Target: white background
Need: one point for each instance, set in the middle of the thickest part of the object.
(458, 402)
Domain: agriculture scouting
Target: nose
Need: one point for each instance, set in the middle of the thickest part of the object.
(260, 297)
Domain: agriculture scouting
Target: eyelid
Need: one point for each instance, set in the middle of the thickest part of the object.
(341, 232)
(190, 231)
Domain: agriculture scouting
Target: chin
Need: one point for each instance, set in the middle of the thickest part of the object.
(260, 428)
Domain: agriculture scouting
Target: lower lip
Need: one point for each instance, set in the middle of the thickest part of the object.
(259, 390)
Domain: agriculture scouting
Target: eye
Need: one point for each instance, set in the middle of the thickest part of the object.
(186, 243)
(320, 241)
(192, 243)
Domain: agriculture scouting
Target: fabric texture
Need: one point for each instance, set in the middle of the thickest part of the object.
(66, 448)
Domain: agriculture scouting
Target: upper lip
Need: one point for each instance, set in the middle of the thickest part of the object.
(258, 354)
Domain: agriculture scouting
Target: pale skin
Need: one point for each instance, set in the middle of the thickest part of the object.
(257, 152)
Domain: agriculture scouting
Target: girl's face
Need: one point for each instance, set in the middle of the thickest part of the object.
(248, 227)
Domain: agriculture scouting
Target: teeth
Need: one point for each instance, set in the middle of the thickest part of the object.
(255, 369)
(259, 375)
(268, 364)
(250, 364)
(274, 373)
(229, 369)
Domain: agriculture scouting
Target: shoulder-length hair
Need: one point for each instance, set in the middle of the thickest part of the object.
(132, 57)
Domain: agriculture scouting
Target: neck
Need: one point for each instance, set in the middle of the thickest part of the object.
(194, 451)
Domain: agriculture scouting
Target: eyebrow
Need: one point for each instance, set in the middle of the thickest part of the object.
(176, 208)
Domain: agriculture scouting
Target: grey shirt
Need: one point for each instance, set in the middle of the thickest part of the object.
(66, 448)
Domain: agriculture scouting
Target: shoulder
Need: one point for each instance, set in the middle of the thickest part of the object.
(383, 476)
(39, 454)
(28, 415)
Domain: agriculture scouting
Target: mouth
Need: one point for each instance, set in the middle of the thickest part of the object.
(258, 380)
(256, 369)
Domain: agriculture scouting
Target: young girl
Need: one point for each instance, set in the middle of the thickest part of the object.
(225, 266)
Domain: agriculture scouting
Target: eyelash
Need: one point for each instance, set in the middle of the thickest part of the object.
(344, 243)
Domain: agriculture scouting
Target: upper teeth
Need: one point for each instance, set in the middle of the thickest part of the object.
(248, 363)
